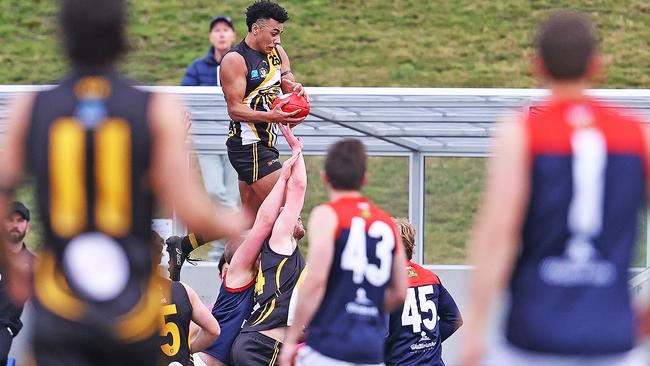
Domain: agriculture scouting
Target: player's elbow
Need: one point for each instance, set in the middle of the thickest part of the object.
(214, 330)
(317, 284)
(234, 113)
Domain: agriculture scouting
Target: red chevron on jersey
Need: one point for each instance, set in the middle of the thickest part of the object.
(419, 276)
(550, 127)
(347, 208)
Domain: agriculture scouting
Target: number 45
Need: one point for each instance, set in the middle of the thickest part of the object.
(411, 313)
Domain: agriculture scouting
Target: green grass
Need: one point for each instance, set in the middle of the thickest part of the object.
(463, 43)
(408, 43)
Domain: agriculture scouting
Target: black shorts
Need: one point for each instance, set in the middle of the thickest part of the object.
(62, 342)
(255, 349)
(254, 162)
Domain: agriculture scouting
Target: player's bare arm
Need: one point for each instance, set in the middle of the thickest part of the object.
(239, 271)
(494, 238)
(321, 232)
(171, 176)
(233, 84)
(396, 289)
(209, 327)
(289, 83)
(13, 157)
(281, 237)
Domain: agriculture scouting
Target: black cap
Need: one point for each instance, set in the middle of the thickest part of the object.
(21, 209)
(222, 18)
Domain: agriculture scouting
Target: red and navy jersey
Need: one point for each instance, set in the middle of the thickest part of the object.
(231, 309)
(587, 184)
(427, 318)
(350, 324)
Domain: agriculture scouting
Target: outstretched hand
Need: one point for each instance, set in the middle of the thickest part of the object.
(295, 143)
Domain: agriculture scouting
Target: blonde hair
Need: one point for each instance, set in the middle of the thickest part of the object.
(407, 232)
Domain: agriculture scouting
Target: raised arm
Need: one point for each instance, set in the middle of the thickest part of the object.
(297, 186)
(209, 326)
(247, 252)
(171, 175)
(232, 74)
(289, 83)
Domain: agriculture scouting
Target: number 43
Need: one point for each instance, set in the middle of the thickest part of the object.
(414, 306)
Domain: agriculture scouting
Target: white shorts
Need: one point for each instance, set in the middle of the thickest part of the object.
(509, 355)
(307, 356)
(197, 360)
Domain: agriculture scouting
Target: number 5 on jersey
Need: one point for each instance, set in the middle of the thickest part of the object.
(413, 307)
(170, 328)
(355, 257)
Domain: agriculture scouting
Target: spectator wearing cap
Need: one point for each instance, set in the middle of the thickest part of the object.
(204, 71)
(16, 227)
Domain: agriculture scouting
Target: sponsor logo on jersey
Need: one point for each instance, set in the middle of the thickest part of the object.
(365, 210)
(410, 272)
(362, 305)
(255, 74)
(423, 342)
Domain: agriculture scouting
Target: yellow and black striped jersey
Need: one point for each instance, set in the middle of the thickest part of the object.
(176, 315)
(89, 149)
(263, 77)
(277, 277)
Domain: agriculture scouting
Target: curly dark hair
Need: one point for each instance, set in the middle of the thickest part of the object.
(265, 9)
(94, 32)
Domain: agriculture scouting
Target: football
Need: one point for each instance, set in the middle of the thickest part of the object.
(295, 103)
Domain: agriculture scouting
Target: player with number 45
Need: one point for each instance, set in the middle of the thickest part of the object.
(355, 273)
(429, 315)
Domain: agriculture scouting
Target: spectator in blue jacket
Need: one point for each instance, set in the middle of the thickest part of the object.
(204, 71)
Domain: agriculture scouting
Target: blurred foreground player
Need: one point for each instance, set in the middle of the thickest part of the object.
(428, 317)
(99, 149)
(559, 218)
(356, 271)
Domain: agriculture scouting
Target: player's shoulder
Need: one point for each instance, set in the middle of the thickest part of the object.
(233, 59)
(420, 276)
(328, 208)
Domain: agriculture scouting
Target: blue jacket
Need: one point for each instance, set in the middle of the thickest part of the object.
(203, 71)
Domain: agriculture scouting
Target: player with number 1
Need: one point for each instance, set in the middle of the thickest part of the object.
(356, 271)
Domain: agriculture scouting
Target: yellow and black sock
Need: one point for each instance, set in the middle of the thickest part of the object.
(191, 242)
